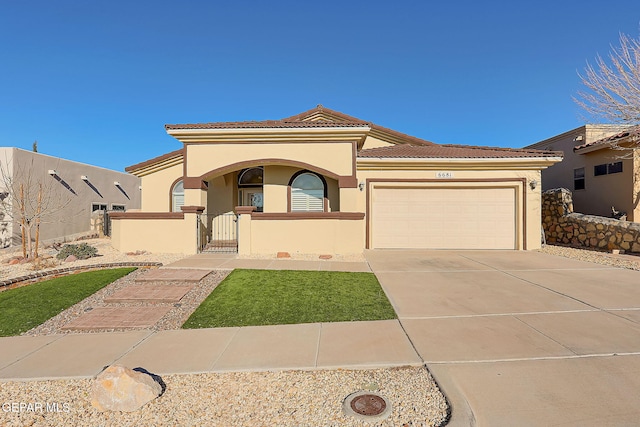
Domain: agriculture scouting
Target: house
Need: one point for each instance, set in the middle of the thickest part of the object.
(70, 192)
(326, 182)
(598, 167)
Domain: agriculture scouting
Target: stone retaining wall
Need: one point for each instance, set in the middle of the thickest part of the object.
(563, 226)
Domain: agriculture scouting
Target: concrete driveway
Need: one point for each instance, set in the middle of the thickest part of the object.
(520, 338)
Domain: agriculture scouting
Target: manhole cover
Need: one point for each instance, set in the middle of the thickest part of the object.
(367, 406)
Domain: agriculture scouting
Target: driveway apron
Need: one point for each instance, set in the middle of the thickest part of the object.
(520, 337)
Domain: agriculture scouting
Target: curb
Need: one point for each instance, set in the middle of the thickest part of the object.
(41, 274)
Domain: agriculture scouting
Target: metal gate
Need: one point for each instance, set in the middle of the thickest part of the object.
(218, 233)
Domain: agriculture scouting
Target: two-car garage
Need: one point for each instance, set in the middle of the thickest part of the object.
(444, 217)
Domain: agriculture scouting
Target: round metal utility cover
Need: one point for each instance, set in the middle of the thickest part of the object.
(367, 406)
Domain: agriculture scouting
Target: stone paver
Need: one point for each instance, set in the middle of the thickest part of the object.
(173, 275)
(149, 293)
(118, 318)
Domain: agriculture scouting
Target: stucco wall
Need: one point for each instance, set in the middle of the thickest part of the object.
(563, 226)
(335, 157)
(156, 188)
(155, 235)
(70, 197)
(329, 236)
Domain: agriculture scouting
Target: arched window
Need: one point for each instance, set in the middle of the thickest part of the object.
(307, 193)
(251, 177)
(177, 196)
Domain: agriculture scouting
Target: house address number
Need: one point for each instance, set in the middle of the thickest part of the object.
(444, 175)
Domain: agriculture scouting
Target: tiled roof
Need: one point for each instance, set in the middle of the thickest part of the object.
(632, 132)
(267, 124)
(321, 113)
(155, 160)
(452, 152)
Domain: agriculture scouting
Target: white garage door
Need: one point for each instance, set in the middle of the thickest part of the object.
(444, 218)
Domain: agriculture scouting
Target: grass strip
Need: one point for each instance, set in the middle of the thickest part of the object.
(28, 306)
(273, 297)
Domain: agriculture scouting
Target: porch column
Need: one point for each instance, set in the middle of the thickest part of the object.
(191, 220)
(244, 229)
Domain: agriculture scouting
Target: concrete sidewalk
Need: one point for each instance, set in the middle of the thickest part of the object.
(210, 261)
(306, 346)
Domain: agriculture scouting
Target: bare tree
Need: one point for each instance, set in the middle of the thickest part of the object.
(613, 86)
(29, 200)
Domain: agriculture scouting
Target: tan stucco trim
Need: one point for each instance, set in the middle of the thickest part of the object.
(270, 135)
(194, 183)
(443, 182)
(157, 164)
(520, 163)
(146, 215)
(343, 181)
(243, 210)
(307, 215)
(192, 209)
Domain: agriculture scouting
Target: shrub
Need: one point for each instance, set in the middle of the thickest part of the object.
(81, 251)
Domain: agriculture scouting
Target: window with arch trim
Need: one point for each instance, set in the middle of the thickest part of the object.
(307, 193)
(177, 196)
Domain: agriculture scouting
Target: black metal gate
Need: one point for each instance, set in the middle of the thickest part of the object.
(218, 233)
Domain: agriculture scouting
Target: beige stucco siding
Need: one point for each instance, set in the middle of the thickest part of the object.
(155, 235)
(335, 157)
(156, 189)
(330, 236)
(372, 142)
(604, 191)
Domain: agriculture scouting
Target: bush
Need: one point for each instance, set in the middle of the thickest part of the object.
(81, 251)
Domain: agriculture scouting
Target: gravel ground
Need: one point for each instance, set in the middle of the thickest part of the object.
(289, 398)
(631, 262)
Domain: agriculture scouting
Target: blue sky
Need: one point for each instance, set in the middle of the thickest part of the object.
(96, 82)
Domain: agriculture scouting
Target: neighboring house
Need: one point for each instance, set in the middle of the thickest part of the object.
(326, 182)
(74, 190)
(597, 168)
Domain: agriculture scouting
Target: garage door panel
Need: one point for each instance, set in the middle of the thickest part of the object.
(444, 218)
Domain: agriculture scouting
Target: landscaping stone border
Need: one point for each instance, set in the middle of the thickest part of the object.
(563, 226)
(41, 274)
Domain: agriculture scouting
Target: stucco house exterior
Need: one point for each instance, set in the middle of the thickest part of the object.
(329, 183)
(600, 167)
(72, 191)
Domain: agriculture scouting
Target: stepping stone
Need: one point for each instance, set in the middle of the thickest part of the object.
(173, 275)
(149, 293)
(118, 318)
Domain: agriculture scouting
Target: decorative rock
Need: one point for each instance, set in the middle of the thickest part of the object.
(70, 258)
(325, 256)
(119, 388)
(284, 255)
(14, 261)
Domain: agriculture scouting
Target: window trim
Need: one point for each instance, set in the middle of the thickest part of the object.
(171, 194)
(119, 205)
(99, 204)
(325, 201)
(577, 179)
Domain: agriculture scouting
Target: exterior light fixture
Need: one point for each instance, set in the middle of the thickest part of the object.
(361, 186)
(116, 183)
(84, 178)
(533, 184)
(52, 172)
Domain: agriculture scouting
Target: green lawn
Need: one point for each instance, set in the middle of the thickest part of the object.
(26, 307)
(268, 297)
